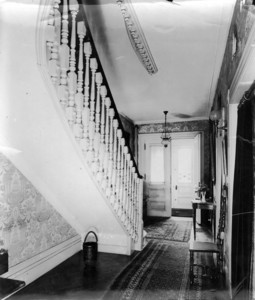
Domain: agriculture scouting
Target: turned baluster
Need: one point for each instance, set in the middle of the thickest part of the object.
(78, 130)
(74, 8)
(121, 183)
(137, 216)
(114, 153)
(64, 57)
(111, 115)
(103, 92)
(114, 162)
(110, 155)
(106, 156)
(93, 67)
(57, 20)
(50, 35)
(50, 31)
(118, 170)
(99, 80)
(53, 35)
(124, 197)
(131, 197)
(86, 109)
(72, 76)
(139, 198)
(102, 151)
(134, 202)
(127, 190)
(135, 206)
(87, 54)
(130, 200)
(107, 118)
(55, 71)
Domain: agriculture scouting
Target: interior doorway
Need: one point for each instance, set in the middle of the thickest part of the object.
(170, 173)
(185, 170)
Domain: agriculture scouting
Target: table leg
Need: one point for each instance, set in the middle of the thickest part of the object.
(191, 270)
(213, 223)
(194, 222)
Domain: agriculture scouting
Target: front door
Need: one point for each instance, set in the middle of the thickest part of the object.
(183, 173)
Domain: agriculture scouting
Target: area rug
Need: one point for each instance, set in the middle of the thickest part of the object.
(161, 270)
(158, 272)
(203, 288)
(170, 230)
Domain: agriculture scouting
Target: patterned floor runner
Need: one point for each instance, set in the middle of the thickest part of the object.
(170, 230)
(156, 273)
(161, 270)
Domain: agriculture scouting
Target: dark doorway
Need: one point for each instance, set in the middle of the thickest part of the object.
(243, 202)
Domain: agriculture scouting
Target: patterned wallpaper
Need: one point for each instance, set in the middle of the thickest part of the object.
(241, 24)
(29, 225)
(202, 125)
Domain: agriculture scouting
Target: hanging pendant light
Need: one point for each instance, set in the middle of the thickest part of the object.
(165, 135)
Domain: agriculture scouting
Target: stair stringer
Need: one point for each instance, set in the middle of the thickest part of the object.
(35, 136)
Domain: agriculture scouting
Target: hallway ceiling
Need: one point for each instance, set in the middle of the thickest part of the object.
(187, 40)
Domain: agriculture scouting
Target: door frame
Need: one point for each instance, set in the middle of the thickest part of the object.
(143, 138)
(193, 140)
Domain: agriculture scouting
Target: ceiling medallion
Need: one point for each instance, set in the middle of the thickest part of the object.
(136, 36)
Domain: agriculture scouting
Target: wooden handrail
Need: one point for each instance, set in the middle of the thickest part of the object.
(108, 88)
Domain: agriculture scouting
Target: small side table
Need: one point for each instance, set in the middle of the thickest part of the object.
(198, 204)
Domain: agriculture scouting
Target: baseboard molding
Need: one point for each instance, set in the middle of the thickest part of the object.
(116, 249)
(40, 264)
(180, 212)
(116, 245)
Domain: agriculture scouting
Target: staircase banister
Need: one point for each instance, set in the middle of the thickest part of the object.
(113, 105)
(84, 95)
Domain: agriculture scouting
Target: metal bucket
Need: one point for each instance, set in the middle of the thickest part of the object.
(3, 261)
(90, 249)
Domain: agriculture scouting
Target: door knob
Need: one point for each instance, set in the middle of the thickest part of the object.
(176, 187)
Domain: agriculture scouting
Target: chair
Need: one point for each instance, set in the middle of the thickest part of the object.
(210, 247)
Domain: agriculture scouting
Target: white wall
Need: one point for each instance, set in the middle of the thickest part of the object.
(35, 136)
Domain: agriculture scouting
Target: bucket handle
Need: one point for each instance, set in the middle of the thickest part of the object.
(88, 234)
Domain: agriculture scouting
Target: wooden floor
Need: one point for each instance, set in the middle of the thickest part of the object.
(73, 280)
(9, 286)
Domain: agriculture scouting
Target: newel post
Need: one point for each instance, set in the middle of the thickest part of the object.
(139, 237)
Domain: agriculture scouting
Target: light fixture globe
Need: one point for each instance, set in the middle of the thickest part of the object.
(165, 141)
(219, 118)
(165, 138)
(215, 115)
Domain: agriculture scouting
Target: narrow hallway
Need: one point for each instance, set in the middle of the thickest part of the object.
(160, 271)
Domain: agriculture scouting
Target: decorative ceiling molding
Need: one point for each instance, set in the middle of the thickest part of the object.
(136, 36)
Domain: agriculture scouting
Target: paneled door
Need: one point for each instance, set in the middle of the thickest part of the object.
(185, 171)
(154, 163)
(171, 173)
